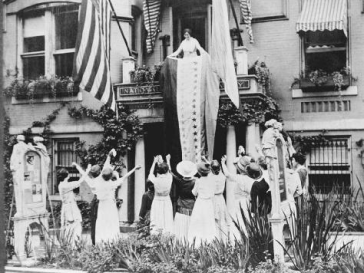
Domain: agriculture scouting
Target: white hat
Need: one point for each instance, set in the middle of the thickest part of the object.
(186, 168)
(38, 139)
(20, 137)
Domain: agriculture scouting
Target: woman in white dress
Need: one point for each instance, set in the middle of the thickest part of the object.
(107, 223)
(241, 192)
(222, 217)
(71, 218)
(202, 225)
(161, 213)
(189, 46)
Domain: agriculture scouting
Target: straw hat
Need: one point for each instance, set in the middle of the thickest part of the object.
(254, 171)
(242, 162)
(186, 168)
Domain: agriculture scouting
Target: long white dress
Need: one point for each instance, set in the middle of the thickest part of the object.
(161, 213)
(202, 224)
(107, 223)
(241, 202)
(71, 218)
(222, 217)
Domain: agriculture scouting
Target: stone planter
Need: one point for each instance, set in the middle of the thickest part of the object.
(357, 239)
(329, 85)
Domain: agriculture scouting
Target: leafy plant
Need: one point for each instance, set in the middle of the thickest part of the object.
(145, 74)
(52, 86)
(313, 235)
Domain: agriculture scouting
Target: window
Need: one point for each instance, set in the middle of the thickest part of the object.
(330, 166)
(325, 50)
(49, 36)
(63, 156)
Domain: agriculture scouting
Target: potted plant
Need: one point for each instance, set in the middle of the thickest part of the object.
(319, 80)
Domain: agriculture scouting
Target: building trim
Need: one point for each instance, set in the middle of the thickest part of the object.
(350, 91)
(332, 125)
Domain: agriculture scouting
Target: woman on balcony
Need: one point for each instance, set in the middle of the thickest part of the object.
(189, 46)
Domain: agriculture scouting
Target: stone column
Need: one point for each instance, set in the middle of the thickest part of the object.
(241, 55)
(250, 139)
(128, 65)
(139, 176)
(231, 155)
(257, 134)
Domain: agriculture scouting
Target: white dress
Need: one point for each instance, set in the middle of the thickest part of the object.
(70, 213)
(241, 202)
(222, 217)
(107, 223)
(202, 224)
(189, 47)
(161, 213)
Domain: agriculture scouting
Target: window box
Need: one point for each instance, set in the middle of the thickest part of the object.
(329, 85)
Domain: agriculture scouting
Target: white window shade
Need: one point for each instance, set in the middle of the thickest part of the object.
(34, 26)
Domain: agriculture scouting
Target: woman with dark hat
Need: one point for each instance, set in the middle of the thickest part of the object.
(241, 191)
(202, 226)
(144, 213)
(186, 199)
(261, 200)
(222, 217)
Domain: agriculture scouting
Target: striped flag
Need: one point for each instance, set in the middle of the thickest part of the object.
(91, 68)
(246, 12)
(221, 53)
(151, 11)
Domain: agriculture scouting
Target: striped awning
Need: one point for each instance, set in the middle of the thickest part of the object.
(323, 15)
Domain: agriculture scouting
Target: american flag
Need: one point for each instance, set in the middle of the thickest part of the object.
(91, 68)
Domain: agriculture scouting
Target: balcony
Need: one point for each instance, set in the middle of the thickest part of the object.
(148, 96)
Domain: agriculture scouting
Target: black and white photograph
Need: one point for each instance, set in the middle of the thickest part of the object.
(177, 136)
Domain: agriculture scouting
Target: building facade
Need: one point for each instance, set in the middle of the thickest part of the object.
(39, 39)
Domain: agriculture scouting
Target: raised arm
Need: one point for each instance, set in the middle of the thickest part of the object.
(224, 167)
(121, 180)
(168, 160)
(84, 174)
(107, 163)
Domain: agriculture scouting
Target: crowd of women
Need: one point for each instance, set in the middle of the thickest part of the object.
(201, 213)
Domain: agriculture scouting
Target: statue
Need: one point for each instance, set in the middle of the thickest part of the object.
(39, 146)
(189, 46)
(17, 169)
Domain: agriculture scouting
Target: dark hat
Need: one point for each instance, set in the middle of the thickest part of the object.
(203, 168)
(107, 173)
(215, 166)
(254, 171)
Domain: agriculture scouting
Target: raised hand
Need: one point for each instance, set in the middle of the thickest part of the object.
(223, 159)
(168, 157)
(137, 167)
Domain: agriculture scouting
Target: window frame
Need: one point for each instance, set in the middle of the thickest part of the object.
(346, 167)
(52, 186)
(50, 50)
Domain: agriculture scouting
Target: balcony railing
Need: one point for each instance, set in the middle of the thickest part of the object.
(138, 96)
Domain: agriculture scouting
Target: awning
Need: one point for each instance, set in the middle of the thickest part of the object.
(323, 15)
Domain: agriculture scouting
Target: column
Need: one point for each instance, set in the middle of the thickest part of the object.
(241, 56)
(231, 155)
(251, 139)
(257, 134)
(128, 65)
(139, 176)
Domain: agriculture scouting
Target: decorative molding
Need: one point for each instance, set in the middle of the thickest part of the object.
(325, 106)
(132, 89)
(350, 91)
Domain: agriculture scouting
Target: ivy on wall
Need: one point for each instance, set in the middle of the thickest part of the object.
(304, 144)
(252, 111)
(119, 133)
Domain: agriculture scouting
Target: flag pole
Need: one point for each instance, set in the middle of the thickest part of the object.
(240, 40)
(121, 30)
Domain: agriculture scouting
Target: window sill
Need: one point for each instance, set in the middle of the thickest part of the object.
(299, 93)
(46, 99)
